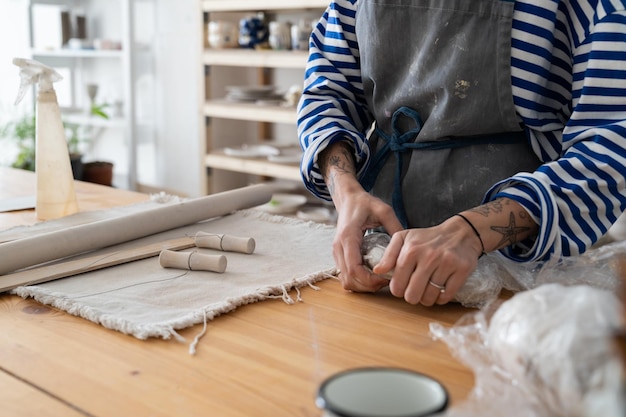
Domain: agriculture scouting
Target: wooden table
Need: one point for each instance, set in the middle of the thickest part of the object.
(264, 359)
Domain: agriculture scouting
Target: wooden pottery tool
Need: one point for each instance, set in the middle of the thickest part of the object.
(69, 268)
(227, 243)
(192, 261)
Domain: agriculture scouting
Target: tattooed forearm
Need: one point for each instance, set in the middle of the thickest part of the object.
(338, 156)
(496, 206)
(341, 163)
(510, 233)
(341, 166)
(330, 183)
(493, 224)
(338, 159)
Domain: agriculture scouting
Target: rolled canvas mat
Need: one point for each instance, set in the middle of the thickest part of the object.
(59, 244)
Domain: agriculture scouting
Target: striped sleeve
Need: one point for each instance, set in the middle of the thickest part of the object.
(569, 87)
(332, 106)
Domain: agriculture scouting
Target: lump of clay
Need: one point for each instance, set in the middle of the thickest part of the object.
(372, 249)
(554, 343)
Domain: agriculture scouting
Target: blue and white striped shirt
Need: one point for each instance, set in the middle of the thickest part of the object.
(568, 67)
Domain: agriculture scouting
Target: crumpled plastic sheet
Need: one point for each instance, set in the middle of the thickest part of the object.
(546, 352)
(597, 268)
(494, 272)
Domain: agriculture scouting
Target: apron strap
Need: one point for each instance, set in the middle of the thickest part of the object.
(399, 142)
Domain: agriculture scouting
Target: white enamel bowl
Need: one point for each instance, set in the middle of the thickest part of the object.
(378, 392)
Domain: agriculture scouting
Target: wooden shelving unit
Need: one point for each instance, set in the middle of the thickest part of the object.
(255, 166)
(262, 60)
(82, 53)
(247, 5)
(249, 111)
(248, 58)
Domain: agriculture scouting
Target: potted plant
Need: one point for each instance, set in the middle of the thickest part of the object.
(76, 156)
(99, 172)
(23, 131)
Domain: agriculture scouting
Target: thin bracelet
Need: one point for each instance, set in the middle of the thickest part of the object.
(476, 232)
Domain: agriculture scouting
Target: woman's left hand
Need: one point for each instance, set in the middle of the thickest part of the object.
(430, 265)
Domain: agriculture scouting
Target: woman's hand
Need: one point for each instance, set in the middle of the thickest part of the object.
(430, 265)
(357, 211)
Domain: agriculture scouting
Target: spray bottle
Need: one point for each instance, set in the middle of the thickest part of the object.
(55, 183)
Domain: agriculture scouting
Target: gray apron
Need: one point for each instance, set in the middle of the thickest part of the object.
(438, 81)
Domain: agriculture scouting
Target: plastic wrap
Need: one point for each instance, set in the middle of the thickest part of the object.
(597, 268)
(372, 249)
(545, 352)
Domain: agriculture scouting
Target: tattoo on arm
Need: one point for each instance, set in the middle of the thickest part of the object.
(510, 232)
(495, 206)
(342, 163)
(341, 160)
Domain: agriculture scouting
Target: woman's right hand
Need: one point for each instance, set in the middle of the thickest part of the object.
(357, 211)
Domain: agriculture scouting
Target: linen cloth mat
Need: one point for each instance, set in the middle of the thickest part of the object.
(143, 299)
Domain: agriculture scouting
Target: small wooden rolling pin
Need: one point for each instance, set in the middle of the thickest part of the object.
(192, 261)
(226, 243)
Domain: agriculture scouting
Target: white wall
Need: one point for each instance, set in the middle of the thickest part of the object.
(178, 65)
(14, 44)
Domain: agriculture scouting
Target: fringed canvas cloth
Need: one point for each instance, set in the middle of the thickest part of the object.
(143, 299)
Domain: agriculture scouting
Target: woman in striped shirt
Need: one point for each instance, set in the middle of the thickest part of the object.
(463, 127)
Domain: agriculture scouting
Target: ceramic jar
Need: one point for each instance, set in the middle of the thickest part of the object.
(253, 32)
(300, 34)
(222, 34)
(279, 35)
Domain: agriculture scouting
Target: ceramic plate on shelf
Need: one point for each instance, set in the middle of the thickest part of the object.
(250, 93)
(285, 159)
(290, 155)
(251, 89)
(252, 151)
(271, 101)
(283, 203)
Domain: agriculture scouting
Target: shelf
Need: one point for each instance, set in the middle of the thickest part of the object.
(78, 53)
(255, 166)
(115, 71)
(255, 58)
(250, 111)
(248, 5)
(269, 67)
(87, 120)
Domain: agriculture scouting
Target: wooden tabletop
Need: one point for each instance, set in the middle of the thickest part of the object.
(263, 359)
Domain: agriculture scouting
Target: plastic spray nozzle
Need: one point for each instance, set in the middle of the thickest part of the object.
(35, 72)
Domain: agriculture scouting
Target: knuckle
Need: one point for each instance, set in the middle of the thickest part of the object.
(444, 298)
(412, 298)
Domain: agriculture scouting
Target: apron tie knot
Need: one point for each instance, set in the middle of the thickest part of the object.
(397, 143)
